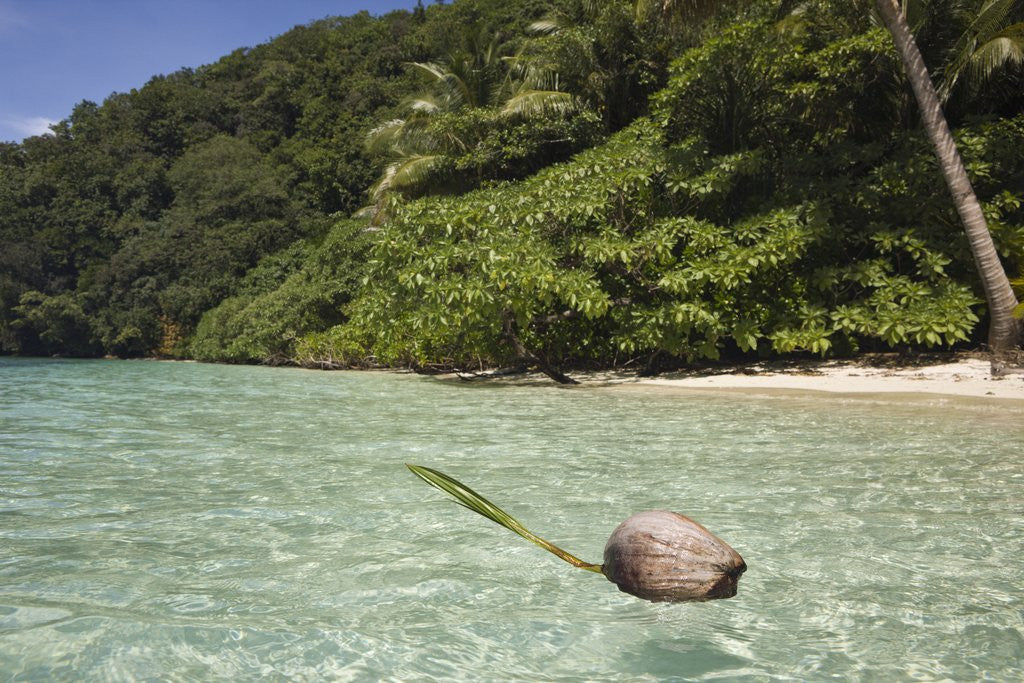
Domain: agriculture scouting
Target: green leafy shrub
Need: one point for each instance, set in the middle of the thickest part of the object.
(264, 323)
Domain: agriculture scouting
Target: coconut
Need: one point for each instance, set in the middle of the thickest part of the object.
(657, 555)
(666, 557)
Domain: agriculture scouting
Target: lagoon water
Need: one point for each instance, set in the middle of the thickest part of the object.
(180, 521)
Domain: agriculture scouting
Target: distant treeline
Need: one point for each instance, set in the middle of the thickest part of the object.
(511, 181)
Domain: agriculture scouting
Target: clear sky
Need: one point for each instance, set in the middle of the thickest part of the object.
(56, 53)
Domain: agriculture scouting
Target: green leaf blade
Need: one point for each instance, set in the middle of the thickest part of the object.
(472, 500)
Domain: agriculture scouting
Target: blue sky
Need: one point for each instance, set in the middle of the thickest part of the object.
(56, 53)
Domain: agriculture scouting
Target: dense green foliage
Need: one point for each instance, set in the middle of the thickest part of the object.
(773, 201)
(136, 216)
(289, 294)
(752, 181)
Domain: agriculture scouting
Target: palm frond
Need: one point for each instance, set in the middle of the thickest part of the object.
(492, 53)
(545, 26)
(403, 137)
(455, 85)
(984, 46)
(382, 138)
(532, 103)
(990, 17)
(448, 81)
(1006, 47)
(424, 140)
(425, 103)
(405, 173)
(685, 11)
(539, 75)
(470, 499)
(432, 70)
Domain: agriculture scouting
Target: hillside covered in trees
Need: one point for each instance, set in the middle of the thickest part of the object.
(580, 183)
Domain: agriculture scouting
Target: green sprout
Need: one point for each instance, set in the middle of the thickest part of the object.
(468, 498)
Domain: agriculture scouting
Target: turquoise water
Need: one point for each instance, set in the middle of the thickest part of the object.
(182, 521)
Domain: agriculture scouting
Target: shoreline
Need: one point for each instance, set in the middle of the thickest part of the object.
(936, 376)
(868, 377)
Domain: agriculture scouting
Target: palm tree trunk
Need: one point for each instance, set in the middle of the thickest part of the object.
(1004, 329)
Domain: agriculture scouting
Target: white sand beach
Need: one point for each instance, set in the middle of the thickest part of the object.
(951, 375)
(967, 377)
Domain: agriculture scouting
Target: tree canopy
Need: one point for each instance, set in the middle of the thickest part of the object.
(578, 183)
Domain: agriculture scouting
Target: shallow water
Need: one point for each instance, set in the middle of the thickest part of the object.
(183, 521)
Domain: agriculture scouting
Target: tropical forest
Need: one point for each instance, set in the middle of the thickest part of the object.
(515, 183)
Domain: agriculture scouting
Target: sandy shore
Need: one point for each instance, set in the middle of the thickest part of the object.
(961, 377)
(883, 374)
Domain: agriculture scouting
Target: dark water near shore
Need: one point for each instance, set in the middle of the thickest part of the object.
(182, 521)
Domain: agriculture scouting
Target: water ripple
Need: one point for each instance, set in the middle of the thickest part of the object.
(182, 522)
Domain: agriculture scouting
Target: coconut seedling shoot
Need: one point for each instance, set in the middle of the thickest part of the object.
(655, 555)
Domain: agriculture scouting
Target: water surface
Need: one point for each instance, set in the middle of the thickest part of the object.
(183, 521)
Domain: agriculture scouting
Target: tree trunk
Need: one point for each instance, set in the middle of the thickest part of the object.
(1004, 329)
(508, 326)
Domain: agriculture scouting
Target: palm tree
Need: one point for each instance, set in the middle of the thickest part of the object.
(477, 75)
(535, 87)
(592, 53)
(1004, 329)
(466, 78)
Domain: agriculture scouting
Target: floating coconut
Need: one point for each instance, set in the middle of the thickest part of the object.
(656, 555)
(664, 556)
